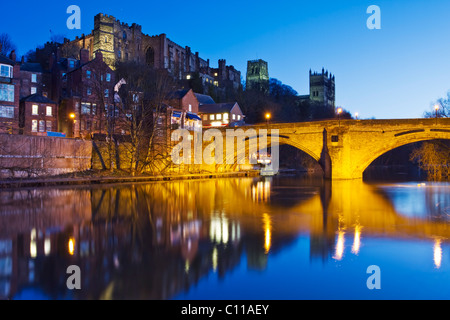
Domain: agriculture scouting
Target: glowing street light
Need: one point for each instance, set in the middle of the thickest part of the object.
(436, 109)
(339, 111)
(356, 115)
(72, 116)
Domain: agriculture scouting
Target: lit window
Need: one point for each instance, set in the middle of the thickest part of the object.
(34, 109)
(219, 116)
(33, 90)
(108, 77)
(33, 78)
(188, 77)
(89, 91)
(211, 117)
(34, 125)
(49, 125)
(216, 83)
(41, 126)
(190, 108)
(88, 74)
(6, 71)
(215, 74)
(225, 116)
(233, 116)
(205, 117)
(71, 63)
(49, 111)
(106, 93)
(239, 117)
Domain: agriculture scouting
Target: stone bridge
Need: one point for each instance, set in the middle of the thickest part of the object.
(345, 148)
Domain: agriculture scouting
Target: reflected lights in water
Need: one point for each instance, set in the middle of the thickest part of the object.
(357, 240)
(71, 246)
(437, 257)
(339, 253)
(261, 191)
(267, 222)
(33, 247)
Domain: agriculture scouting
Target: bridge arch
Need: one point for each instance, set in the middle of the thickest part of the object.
(398, 141)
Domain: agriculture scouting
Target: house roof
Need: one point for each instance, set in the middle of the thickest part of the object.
(177, 94)
(6, 60)
(204, 99)
(37, 98)
(216, 107)
(32, 67)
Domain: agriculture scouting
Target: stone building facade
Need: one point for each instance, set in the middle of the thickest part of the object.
(118, 41)
(322, 89)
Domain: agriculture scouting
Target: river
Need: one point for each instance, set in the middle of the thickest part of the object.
(282, 237)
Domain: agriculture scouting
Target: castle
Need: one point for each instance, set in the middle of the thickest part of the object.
(257, 75)
(118, 41)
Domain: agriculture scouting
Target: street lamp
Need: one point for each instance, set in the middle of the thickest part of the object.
(339, 111)
(356, 115)
(436, 109)
(72, 116)
(268, 117)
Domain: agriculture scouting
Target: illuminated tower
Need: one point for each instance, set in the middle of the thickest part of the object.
(104, 37)
(257, 75)
(322, 89)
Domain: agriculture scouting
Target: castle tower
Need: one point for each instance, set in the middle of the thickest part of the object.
(104, 37)
(322, 89)
(257, 75)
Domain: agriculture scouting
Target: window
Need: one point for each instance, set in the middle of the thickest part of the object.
(6, 112)
(34, 109)
(85, 108)
(49, 125)
(88, 74)
(233, 116)
(71, 63)
(124, 35)
(188, 77)
(33, 77)
(119, 54)
(7, 92)
(49, 111)
(89, 91)
(94, 109)
(6, 71)
(225, 116)
(106, 93)
(239, 117)
(33, 90)
(219, 116)
(211, 117)
(34, 125)
(190, 108)
(108, 77)
(205, 117)
(41, 126)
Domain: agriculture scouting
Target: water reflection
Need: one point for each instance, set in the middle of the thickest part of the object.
(158, 240)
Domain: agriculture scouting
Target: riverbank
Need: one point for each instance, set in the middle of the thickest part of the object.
(105, 179)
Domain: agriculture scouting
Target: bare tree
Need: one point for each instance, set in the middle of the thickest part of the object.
(6, 44)
(434, 159)
(443, 108)
(144, 116)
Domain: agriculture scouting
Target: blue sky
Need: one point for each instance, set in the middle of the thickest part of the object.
(395, 72)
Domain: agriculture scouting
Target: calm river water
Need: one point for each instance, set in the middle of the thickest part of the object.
(235, 238)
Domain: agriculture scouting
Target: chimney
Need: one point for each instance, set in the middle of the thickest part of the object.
(12, 55)
(84, 56)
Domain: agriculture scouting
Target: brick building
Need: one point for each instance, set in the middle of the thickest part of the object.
(9, 94)
(38, 115)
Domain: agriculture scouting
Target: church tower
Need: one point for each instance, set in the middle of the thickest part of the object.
(257, 75)
(322, 89)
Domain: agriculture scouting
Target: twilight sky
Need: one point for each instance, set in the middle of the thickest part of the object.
(395, 72)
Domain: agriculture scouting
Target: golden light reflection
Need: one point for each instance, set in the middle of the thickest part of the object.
(437, 253)
(339, 245)
(267, 225)
(357, 240)
(261, 191)
(71, 246)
